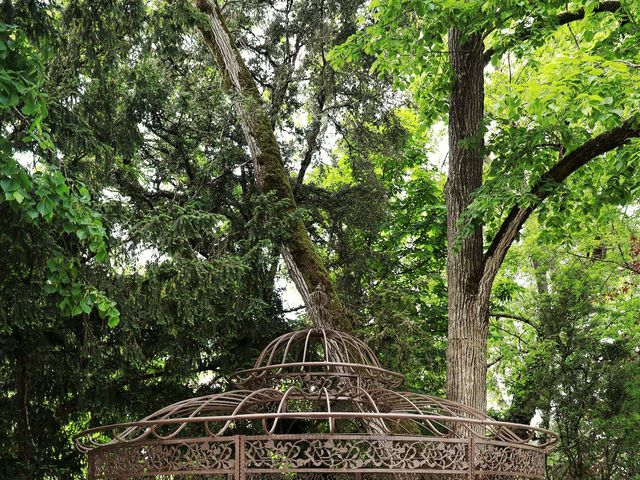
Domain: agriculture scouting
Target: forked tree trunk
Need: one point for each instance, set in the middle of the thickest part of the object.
(470, 272)
(303, 263)
(468, 296)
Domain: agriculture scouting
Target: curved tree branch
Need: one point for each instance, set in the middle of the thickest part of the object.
(547, 184)
(606, 6)
(563, 18)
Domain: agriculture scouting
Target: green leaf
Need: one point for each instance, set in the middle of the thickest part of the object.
(113, 321)
(28, 108)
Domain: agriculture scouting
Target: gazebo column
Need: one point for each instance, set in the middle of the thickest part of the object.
(240, 469)
(472, 458)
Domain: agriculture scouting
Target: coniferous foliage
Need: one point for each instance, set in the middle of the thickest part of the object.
(141, 260)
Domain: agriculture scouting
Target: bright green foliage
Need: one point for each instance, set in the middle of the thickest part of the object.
(544, 105)
(549, 87)
(44, 198)
(557, 74)
(569, 353)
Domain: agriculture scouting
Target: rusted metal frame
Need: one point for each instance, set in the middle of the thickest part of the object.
(502, 443)
(306, 346)
(326, 346)
(239, 467)
(418, 401)
(318, 415)
(153, 473)
(431, 427)
(220, 397)
(274, 347)
(286, 350)
(357, 366)
(245, 401)
(238, 470)
(349, 351)
(359, 438)
(253, 471)
(534, 449)
(149, 470)
(376, 380)
(352, 436)
(488, 447)
(471, 452)
(365, 353)
(332, 422)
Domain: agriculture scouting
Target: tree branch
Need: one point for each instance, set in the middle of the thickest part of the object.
(494, 362)
(563, 18)
(547, 184)
(130, 186)
(302, 260)
(626, 265)
(312, 140)
(511, 316)
(606, 6)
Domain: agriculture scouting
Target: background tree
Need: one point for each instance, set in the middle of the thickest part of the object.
(557, 97)
(564, 344)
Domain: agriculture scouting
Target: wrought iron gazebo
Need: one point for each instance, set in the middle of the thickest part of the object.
(316, 405)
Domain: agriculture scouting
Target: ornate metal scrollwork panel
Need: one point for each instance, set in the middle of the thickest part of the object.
(358, 476)
(127, 461)
(355, 454)
(502, 458)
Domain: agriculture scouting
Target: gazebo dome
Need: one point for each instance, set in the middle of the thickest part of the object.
(317, 404)
(317, 358)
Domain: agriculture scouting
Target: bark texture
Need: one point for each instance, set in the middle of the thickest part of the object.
(468, 300)
(304, 265)
(470, 272)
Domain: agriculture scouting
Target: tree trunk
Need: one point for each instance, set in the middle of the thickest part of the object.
(26, 446)
(468, 296)
(303, 263)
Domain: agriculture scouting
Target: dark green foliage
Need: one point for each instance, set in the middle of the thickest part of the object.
(139, 263)
(155, 150)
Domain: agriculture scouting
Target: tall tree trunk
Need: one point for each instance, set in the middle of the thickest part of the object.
(468, 297)
(304, 265)
(26, 446)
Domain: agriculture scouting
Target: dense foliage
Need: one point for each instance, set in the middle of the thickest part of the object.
(140, 262)
(565, 346)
